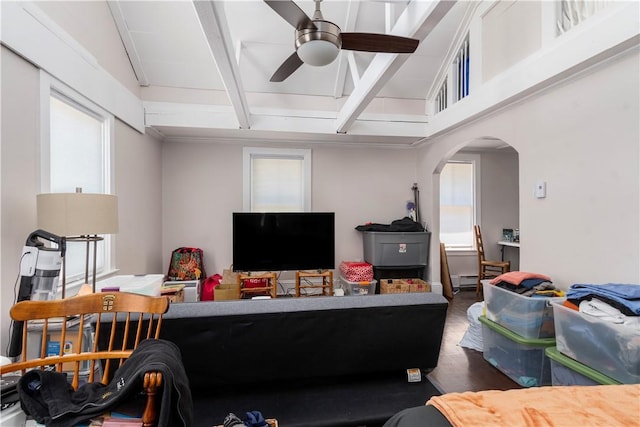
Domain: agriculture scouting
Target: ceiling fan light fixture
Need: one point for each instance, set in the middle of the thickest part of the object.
(319, 46)
(318, 52)
(319, 41)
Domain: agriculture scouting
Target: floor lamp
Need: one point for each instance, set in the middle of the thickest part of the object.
(80, 217)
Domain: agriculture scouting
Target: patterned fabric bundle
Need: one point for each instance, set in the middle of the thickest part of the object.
(356, 271)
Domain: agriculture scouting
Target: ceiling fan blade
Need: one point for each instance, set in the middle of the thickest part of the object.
(369, 42)
(288, 67)
(291, 13)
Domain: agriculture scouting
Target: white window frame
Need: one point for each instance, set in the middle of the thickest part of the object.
(250, 153)
(474, 159)
(49, 86)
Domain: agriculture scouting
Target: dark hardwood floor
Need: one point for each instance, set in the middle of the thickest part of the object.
(459, 368)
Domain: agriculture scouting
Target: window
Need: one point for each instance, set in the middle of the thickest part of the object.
(276, 180)
(459, 211)
(461, 71)
(76, 145)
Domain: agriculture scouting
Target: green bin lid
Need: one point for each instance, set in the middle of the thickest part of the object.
(574, 365)
(538, 342)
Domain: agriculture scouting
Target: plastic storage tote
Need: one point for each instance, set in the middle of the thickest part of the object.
(566, 371)
(613, 349)
(396, 248)
(144, 284)
(358, 288)
(521, 359)
(530, 317)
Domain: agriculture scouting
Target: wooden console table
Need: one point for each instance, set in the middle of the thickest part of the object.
(271, 288)
(326, 285)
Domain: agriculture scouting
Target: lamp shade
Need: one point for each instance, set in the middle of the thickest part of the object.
(77, 214)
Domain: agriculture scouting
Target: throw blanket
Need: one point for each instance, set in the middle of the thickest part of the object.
(517, 277)
(579, 406)
(398, 225)
(51, 401)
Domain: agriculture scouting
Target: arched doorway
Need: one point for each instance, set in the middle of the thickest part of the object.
(491, 167)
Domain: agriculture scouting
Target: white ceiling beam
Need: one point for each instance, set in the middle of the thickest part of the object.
(417, 21)
(214, 25)
(127, 41)
(388, 13)
(221, 118)
(355, 77)
(341, 74)
(30, 33)
(350, 25)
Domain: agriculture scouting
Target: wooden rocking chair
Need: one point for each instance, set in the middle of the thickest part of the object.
(68, 319)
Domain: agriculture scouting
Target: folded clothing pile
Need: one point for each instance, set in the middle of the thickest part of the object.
(612, 302)
(527, 284)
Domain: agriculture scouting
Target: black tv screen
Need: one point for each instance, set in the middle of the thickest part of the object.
(278, 241)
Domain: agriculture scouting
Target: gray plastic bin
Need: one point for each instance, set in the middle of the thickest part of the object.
(396, 248)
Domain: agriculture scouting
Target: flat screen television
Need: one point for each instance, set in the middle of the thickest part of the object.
(279, 241)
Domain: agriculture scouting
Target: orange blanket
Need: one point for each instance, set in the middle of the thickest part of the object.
(579, 406)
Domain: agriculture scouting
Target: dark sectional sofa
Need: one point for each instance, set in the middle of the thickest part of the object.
(317, 361)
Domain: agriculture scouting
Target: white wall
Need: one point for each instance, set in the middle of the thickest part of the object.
(202, 187)
(582, 137)
(500, 198)
(19, 174)
(138, 170)
(510, 32)
(137, 174)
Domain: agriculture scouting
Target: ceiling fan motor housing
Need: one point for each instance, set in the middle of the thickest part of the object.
(319, 46)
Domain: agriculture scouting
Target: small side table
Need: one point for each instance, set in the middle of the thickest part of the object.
(271, 288)
(326, 285)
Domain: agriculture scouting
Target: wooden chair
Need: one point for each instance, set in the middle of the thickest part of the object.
(486, 268)
(67, 321)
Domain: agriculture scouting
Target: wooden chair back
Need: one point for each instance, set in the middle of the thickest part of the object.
(479, 245)
(487, 268)
(68, 319)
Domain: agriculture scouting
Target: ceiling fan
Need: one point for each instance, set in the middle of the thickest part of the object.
(318, 41)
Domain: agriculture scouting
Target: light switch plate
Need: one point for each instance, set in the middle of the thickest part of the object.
(541, 189)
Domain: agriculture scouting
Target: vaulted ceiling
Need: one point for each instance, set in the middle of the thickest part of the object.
(215, 58)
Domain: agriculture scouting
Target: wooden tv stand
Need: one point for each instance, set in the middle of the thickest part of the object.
(326, 285)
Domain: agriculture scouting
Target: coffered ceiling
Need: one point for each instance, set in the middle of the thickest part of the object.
(215, 59)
